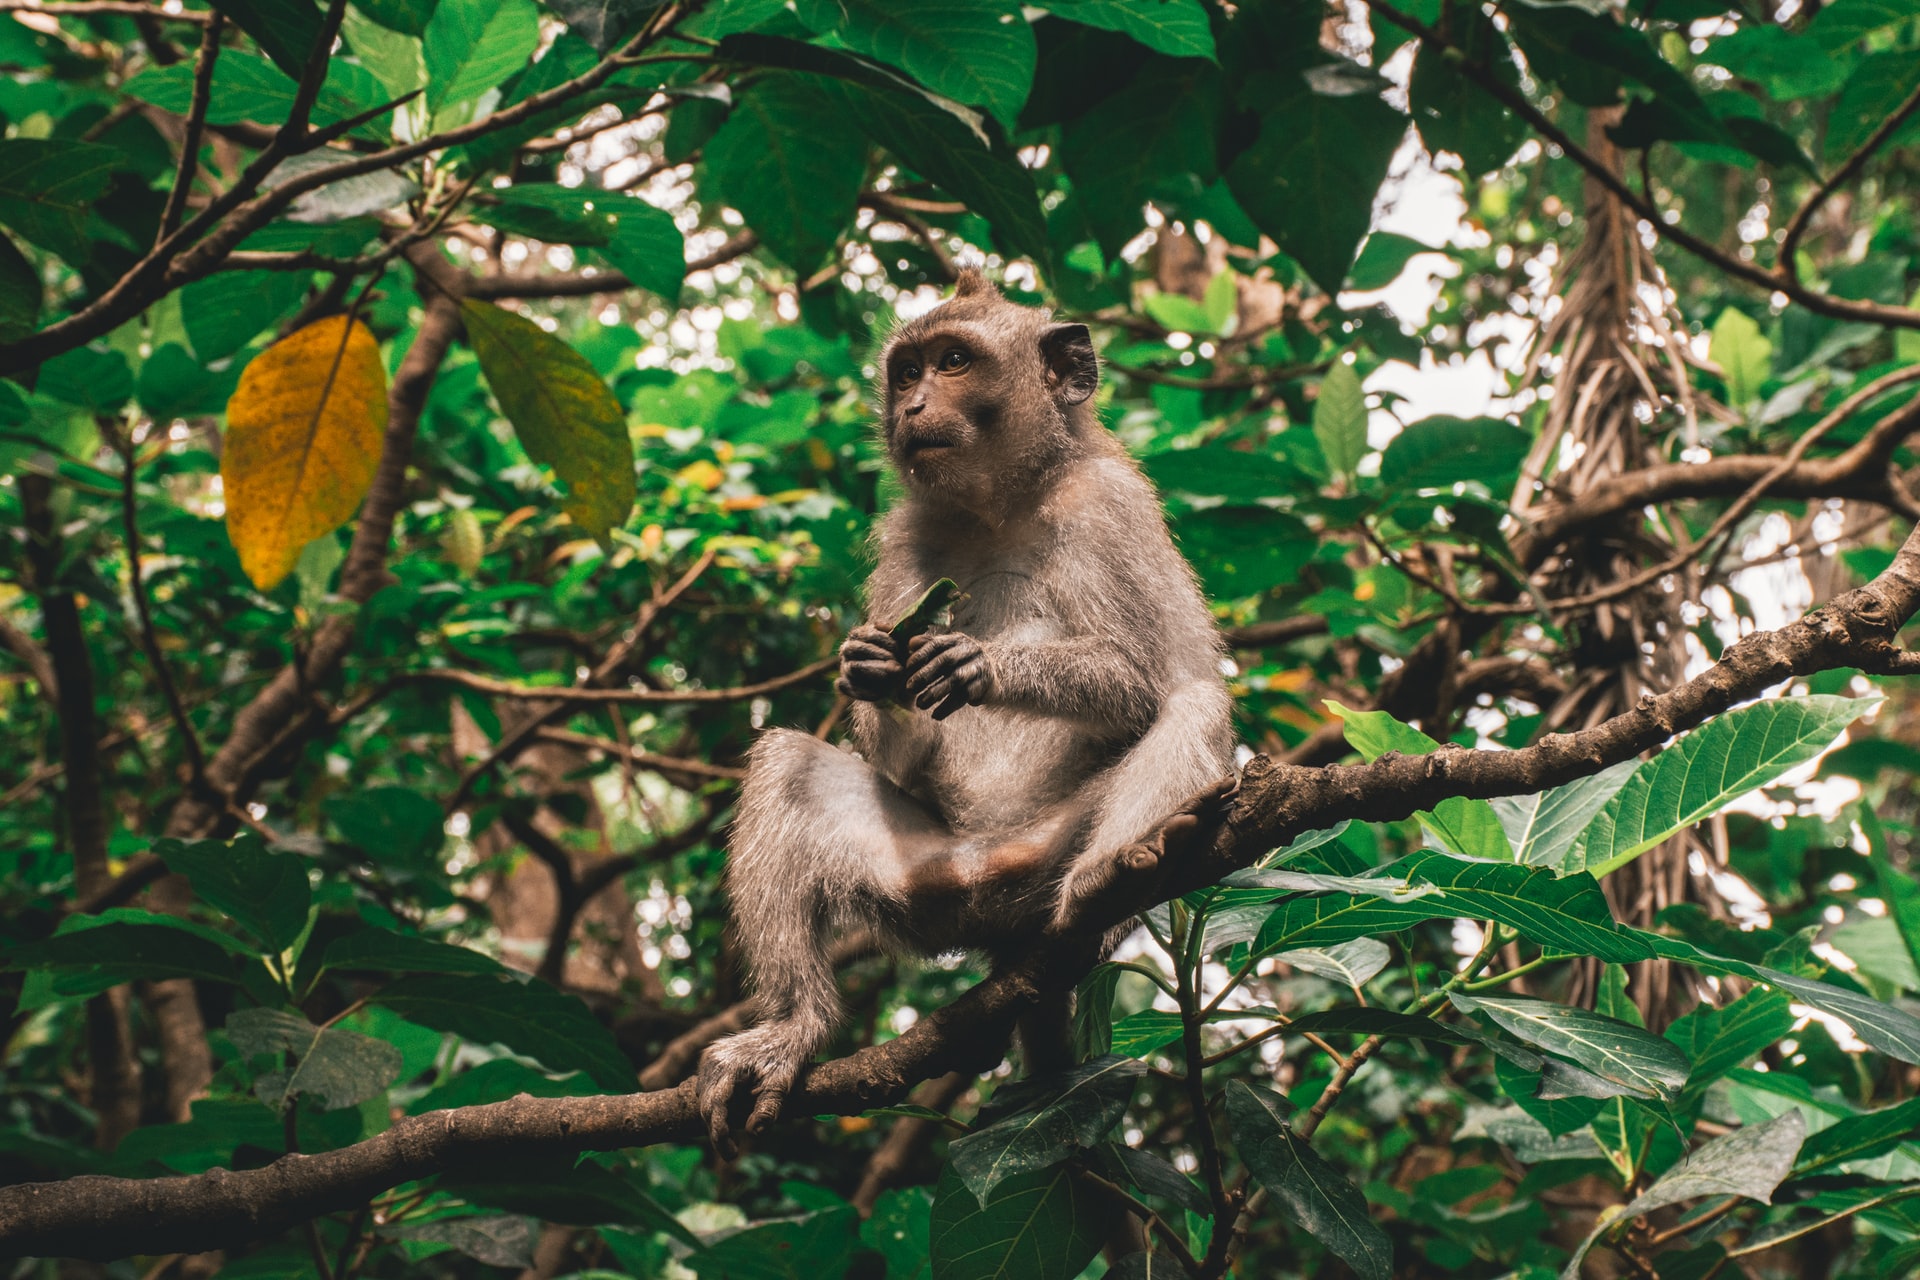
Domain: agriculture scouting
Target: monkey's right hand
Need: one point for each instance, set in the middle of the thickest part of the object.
(872, 666)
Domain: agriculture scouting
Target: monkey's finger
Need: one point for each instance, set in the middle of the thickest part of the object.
(871, 675)
(925, 647)
(922, 675)
(856, 650)
(868, 634)
(955, 700)
(766, 1110)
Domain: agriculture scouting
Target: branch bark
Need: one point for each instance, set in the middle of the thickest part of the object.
(112, 1217)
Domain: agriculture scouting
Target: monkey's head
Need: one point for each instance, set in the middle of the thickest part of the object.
(980, 392)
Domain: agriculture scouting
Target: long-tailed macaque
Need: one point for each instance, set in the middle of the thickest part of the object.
(1070, 731)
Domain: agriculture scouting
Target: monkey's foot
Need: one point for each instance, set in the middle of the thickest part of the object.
(757, 1059)
(1095, 887)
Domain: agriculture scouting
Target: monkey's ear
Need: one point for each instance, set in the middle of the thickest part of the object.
(1073, 371)
(972, 281)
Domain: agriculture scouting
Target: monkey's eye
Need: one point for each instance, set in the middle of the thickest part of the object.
(906, 375)
(954, 360)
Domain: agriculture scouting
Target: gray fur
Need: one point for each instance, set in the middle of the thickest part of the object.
(1083, 701)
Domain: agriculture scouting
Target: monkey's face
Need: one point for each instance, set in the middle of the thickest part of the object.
(946, 389)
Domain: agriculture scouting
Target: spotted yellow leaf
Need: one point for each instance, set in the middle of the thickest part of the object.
(561, 410)
(303, 441)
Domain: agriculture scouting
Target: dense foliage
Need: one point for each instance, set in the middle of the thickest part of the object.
(436, 436)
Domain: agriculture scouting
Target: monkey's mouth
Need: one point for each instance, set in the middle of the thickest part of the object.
(918, 446)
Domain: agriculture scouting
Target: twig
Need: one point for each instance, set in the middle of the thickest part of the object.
(643, 759)
(1846, 173)
(196, 125)
(599, 697)
(121, 8)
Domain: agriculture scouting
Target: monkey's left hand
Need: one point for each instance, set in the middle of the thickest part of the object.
(946, 672)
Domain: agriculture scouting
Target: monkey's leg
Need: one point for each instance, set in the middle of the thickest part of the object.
(820, 839)
(1163, 797)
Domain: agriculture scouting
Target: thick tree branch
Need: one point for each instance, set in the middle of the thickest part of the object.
(113, 1217)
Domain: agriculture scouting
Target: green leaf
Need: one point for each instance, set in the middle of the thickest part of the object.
(1216, 471)
(1558, 1116)
(989, 180)
(1465, 826)
(1313, 1192)
(821, 1244)
(372, 949)
(224, 311)
(1139, 1034)
(1242, 550)
(1543, 826)
(1310, 177)
(1743, 354)
(20, 293)
(1712, 766)
(898, 1232)
(395, 826)
(265, 891)
(48, 188)
(1897, 889)
(1880, 955)
(1860, 1137)
(1749, 1163)
(499, 1240)
(1177, 28)
(1082, 1105)
(1454, 113)
(395, 58)
(1567, 913)
(1392, 888)
(1875, 89)
(980, 52)
(250, 88)
(566, 1190)
(125, 944)
(646, 245)
(1325, 919)
(1382, 258)
(1178, 312)
(1844, 23)
(1376, 1022)
(342, 1068)
(1156, 1177)
(1785, 64)
(1340, 416)
(1718, 1040)
(472, 46)
(787, 162)
(285, 30)
(1093, 1012)
(1888, 1028)
(1046, 1225)
(1351, 964)
(498, 1080)
(1618, 1052)
(1439, 452)
(89, 378)
(530, 1018)
(564, 414)
(603, 23)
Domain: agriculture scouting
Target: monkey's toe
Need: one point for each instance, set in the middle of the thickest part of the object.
(766, 1109)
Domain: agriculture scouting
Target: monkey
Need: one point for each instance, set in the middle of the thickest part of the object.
(1040, 759)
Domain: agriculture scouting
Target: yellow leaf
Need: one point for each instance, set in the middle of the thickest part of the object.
(303, 441)
(703, 474)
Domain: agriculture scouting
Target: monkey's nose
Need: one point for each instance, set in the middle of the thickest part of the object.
(916, 407)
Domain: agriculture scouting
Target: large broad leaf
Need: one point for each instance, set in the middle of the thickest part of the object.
(1177, 28)
(602, 23)
(384, 951)
(786, 161)
(287, 30)
(224, 311)
(989, 180)
(530, 1018)
(1139, 1034)
(1718, 1040)
(117, 946)
(980, 52)
(1046, 1225)
(1543, 826)
(1860, 1137)
(1310, 177)
(1392, 888)
(21, 292)
(1085, 1102)
(820, 1244)
(1159, 127)
(498, 1080)
(1888, 1028)
(47, 189)
(303, 439)
(636, 237)
(559, 1189)
(341, 1068)
(1618, 1052)
(1743, 354)
(1875, 89)
(1453, 112)
(1709, 768)
(266, 891)
(1312, 1192)
(249, 88)
(1565, 913)
(1340, 419)
(898, 1232)
(1238, 475)
(1352, 964)
(1749, 1162)
(472, 46)
(1465, 826)
(564, 414)
(394, 826)
(1155, 1176)
(1326, 919)
(1440, 452)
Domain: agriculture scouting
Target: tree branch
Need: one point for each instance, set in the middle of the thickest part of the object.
(196, 125)
(581, 285)
(1846, 173)
(578, 696)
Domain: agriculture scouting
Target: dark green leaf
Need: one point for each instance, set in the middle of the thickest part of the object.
(1046, 1225)
(898, 1232)
(786, 161)
(1326, 919)
(342, 1068)
(47, 189)
(646, 245)
(603, 23)
(1156, 1177)
(1158, 127)
(1310, 177)
(1177, 28)
(385, 951)
(472, 46)
(1452, 110)
(820, 1244)
(1566, 913)
(125, 944)
(1616, 1051)
(395, 826)
(1214, 471)
(979, 52)
(1376, 1022)
(265, 891)
(248, 88)
(1312, 1192)
(1874, 90)
(285, 30)
(557, 1189)
(1558, 1116)
(498, 1080)
(1718, 1040)
(1083, 1103)
(87, 378)
(1858, 1137)
(530, 1018)
(1139, 1034)
(1439, 452)
(20, 293)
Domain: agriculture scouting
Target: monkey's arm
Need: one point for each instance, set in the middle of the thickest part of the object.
(1093, 679)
